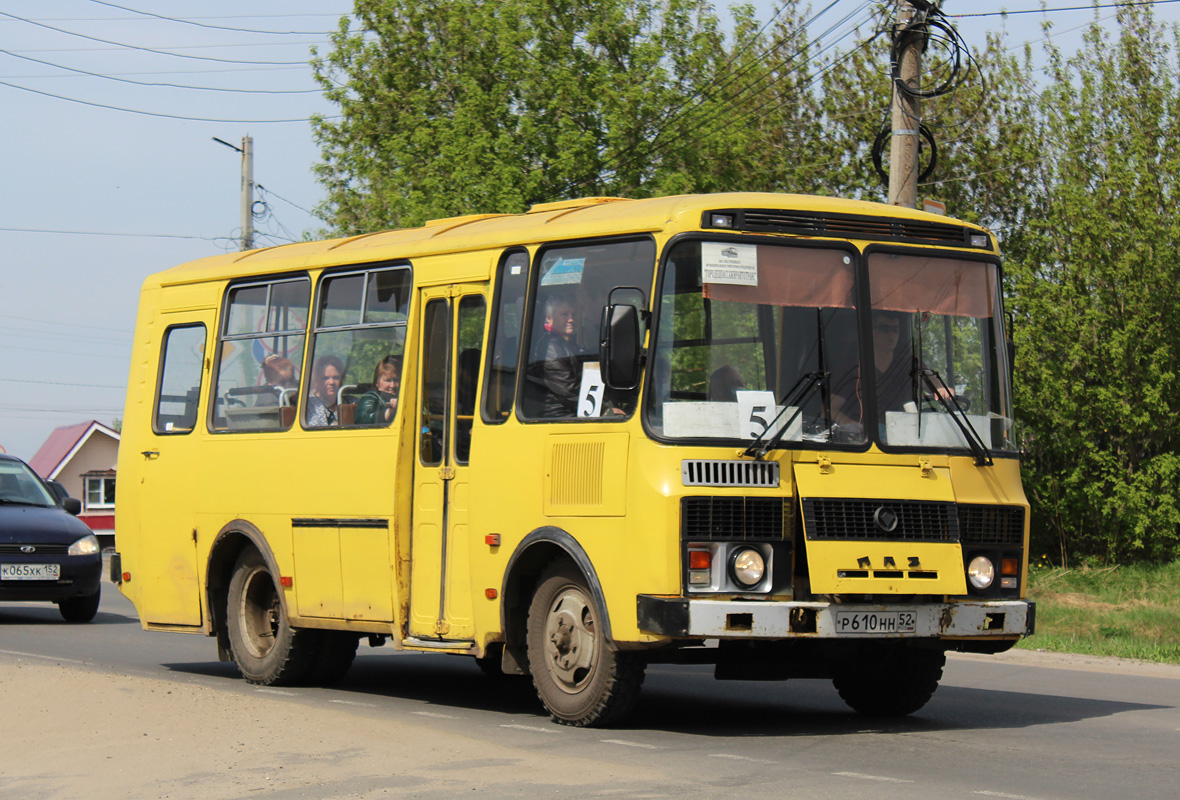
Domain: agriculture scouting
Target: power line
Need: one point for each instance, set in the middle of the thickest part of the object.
(164, 85)
(1069, 8)
(149, 114)
(144, 49)
(211, 27)
(109, 233)
(65, 383)
(66, 324)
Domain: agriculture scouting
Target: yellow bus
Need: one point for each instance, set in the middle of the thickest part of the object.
(768, 432)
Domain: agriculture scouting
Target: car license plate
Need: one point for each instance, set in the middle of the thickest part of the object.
(870, 622)
(29, 572)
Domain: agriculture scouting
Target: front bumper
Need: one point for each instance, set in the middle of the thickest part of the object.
(79, 576)
(751, 619)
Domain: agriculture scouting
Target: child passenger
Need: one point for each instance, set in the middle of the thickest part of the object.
(378, 405)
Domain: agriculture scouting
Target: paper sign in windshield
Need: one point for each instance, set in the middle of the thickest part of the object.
(564, 272)
(735, 264)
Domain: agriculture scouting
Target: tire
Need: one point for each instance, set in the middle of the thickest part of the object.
(266, 649)
(334, 653)
(80, 609)
(579, 678)
(890, 680)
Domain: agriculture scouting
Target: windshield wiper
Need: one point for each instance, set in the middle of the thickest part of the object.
(795, 397)
(944, 395)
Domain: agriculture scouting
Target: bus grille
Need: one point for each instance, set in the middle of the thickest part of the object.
(705, 518)
(707, 472)
(916, 520)
(851, 226)
(995, 525)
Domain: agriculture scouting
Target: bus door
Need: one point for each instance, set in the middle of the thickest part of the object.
(449, 352)
(167, 562)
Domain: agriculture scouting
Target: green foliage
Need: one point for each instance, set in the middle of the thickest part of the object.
(1130, 611)
(1094, 285)
(451, 107)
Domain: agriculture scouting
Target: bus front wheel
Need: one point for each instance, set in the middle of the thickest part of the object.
(266, 649)
(579, 678)
(890, 680)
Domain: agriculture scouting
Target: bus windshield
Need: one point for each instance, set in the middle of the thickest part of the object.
(740, 326)
(761, 340)
(939, 352)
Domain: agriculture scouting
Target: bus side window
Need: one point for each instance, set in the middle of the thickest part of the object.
(260, 350)
(181, 361)
(500, 376)
(472, 310)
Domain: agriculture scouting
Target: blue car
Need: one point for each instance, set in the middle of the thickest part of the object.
(46, 552)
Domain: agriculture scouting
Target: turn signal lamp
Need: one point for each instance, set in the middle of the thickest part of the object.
(1009, 566)
(286, 581)
(700, 567)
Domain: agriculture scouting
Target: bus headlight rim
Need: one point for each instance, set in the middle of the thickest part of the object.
(748, 567)
(981, 572)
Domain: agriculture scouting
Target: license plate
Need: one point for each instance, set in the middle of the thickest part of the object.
(29, 572)
(870, 622)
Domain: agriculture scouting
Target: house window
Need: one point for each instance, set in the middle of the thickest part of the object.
(100, 493)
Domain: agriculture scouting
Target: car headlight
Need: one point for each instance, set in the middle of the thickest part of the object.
(86, 546)
(748, 567)
(981, 572)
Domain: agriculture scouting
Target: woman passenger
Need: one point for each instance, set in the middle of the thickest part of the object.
(325, 380)
(377, 406)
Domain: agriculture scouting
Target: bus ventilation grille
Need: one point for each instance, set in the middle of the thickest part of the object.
(704, 472)
(995, 525)
(705, 518)
(855, 227)
(887, 520)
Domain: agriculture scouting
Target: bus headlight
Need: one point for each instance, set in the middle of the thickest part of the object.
(748, 567)
(981, 572)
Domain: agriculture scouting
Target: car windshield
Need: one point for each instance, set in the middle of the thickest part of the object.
(740, 326)
(18, 485)
(764, 340)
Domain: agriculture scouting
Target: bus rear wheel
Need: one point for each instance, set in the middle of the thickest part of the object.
(579, 678)
(890, 680)
(266, 649)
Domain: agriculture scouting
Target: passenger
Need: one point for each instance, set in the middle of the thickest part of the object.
(555, 360)
(724, 384)
(326, 379)
(378, 405)
(279, 374)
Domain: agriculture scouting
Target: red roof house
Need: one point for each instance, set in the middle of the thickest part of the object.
(82, 457)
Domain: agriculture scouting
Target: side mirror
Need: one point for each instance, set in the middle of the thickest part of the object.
(72, 505)
(618, 347)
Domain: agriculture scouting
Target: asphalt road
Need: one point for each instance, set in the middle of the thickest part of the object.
(995, 728)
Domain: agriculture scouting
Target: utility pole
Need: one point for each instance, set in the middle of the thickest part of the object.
(248, 193)
(907, 111)
(247, 151)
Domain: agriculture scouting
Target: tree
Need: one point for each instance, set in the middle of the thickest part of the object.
(1095, 283)
(476, 106)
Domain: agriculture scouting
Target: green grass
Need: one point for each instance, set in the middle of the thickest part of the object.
(1130, 611)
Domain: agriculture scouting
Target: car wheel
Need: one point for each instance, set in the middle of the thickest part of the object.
(80, 609)
(581, 680)
(266, 649)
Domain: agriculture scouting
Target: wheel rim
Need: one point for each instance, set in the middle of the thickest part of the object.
(260, 613)
(570, 640)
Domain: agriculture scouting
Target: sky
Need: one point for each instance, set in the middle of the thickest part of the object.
(106, 180)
